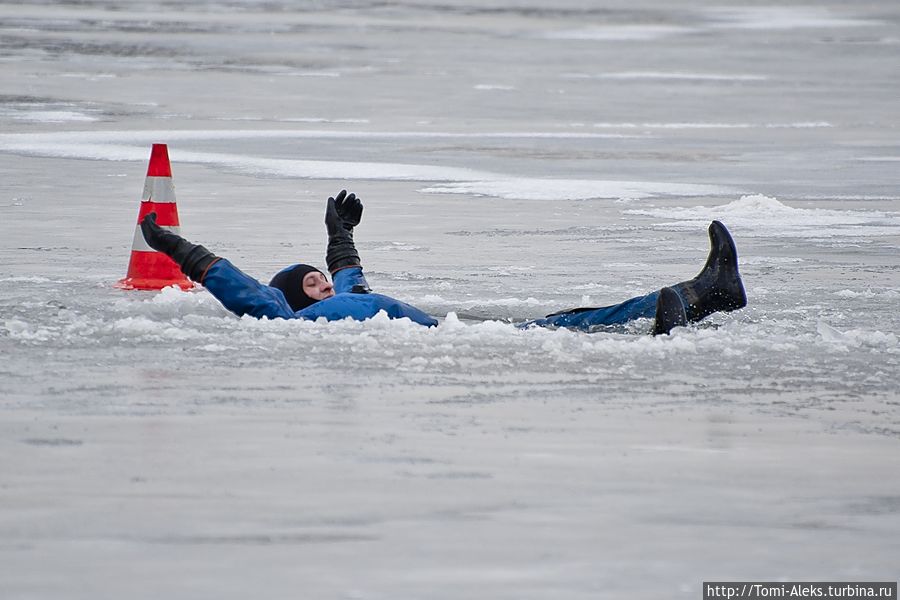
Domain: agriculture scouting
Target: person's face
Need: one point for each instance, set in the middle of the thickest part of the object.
(316, 286)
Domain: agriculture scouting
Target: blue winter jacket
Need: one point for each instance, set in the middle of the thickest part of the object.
(244, 295)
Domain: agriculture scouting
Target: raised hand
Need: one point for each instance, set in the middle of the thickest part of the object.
(342, 214)
(343, 211)
(349, 208)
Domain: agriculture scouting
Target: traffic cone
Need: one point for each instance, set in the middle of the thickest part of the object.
(149, 269)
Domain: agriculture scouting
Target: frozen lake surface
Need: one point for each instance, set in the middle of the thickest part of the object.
(515, 159)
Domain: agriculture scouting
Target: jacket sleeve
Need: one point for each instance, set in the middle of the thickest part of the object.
(349, 278)
(243, 295)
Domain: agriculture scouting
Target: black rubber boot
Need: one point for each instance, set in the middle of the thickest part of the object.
(669, 312)
(718, 287)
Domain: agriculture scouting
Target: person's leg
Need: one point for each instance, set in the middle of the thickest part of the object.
(718, 287)
(587, 319)
(670, 312)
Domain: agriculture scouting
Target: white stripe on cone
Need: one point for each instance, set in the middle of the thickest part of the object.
(140, 244)
(158, 189)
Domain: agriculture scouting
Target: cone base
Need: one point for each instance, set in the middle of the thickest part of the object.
(132, 283)
(153, 271)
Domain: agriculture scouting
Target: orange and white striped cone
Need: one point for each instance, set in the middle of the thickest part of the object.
(149, 269)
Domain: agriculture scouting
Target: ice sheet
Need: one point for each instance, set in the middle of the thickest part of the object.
(515, 159)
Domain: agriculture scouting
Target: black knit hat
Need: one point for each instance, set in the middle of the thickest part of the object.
(290, 282)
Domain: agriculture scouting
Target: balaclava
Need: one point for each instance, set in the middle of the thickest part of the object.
(290, 282)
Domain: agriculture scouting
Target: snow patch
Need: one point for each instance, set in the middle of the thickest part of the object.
(434, 299)
(523, 188)
(763, 216)
(879, 158)
(24, 279)
(66, 140)
(856, 338)
(216, 348)
(784, 18)
(617, 33)
(54, 116)
(705, 125)
(21, 330)
(170, 303)
(394, 247)
(102, 146)
(321, 120)
(667, 76)
(769, 260)
(869, 294)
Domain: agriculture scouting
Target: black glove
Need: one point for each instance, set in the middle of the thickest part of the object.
(194, 260)
(342, 214)
(347, 212)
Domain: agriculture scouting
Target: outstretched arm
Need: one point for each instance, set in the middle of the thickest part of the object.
(342, 214)
(237, 291)
(193, 259)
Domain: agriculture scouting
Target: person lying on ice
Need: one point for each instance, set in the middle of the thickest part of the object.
(303, 292)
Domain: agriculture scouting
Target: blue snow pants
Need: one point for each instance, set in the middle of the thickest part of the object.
(589, 319)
